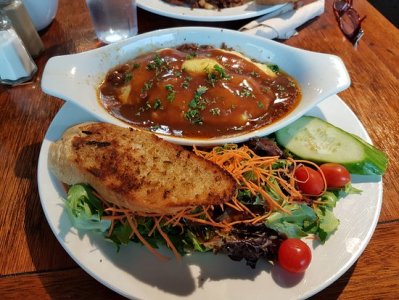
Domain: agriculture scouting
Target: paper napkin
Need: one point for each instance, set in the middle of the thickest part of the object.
(282, 23)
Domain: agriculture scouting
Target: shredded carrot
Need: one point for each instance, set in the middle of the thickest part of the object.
(205, 222)
(176, 218)
(111, 228)
(168, 241)
(143, 240)
(234, 206)
(156, 223)
(240, 161)
(265, 177)
(117, 210)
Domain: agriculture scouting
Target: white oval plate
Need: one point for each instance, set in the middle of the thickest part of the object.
(135, 273)
(246, 11)
(76, 77)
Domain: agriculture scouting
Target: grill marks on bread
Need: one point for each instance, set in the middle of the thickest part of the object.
(138, 170)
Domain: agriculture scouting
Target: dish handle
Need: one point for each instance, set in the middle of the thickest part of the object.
(71, 78)
(337, 70)
(320, 76)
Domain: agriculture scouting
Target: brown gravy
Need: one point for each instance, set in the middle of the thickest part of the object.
(155, 92)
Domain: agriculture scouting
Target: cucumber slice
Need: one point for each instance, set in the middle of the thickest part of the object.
(314, 139)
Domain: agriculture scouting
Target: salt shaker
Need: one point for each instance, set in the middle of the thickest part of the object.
(22, 23)
(16, 65)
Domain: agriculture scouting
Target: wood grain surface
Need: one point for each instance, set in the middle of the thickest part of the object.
(33, 265)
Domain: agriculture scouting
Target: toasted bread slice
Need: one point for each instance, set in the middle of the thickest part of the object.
(137, 170)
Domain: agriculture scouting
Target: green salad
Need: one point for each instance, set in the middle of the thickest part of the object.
(285, 191)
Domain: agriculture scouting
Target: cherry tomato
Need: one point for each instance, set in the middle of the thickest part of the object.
(294, 255)
(309, 181)
(336, 175)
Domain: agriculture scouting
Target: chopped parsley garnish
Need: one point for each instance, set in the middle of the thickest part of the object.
(238, 70)
(246, 92)
(212, 78)
(266, 89)
(169, 87)
(157, 104)
(158, 60)
(260, 104)
(217, 73)
(193, 116)
(196, 105)
(128, 77)
(186, 83)
(215, 111)
(280, 88)
(171, 92)
(147, 86)
(171, 96)
(191, 55)
(221, 71)
(200, 90)
(274, 68)
(157, 63)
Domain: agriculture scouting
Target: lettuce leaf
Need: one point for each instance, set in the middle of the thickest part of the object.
(328, 223)
(302, 220)
(85, 209)
(120, 234)
(298, 223)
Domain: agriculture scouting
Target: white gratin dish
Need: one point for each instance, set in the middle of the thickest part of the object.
(76, 77)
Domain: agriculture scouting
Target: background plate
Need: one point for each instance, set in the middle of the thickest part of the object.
(135, 273)
(246, 11)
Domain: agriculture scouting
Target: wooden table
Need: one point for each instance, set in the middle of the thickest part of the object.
(32, 262)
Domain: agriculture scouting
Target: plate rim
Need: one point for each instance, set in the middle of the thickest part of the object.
(224, 15)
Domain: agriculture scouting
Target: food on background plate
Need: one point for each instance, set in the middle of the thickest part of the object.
(219, 4)
(198, 91)
(208, 4)
(273, 2)
(257, 203)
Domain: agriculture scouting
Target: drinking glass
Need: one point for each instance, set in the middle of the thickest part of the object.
(113, 20)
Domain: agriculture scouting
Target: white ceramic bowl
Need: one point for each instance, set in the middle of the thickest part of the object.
(76, 77)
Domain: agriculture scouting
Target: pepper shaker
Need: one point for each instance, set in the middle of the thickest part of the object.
(22, 23)
(16, 65)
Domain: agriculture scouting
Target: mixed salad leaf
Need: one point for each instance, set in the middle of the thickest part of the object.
(249, 242)
(303, 216)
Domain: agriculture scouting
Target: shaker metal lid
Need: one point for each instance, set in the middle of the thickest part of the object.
(5, 2)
